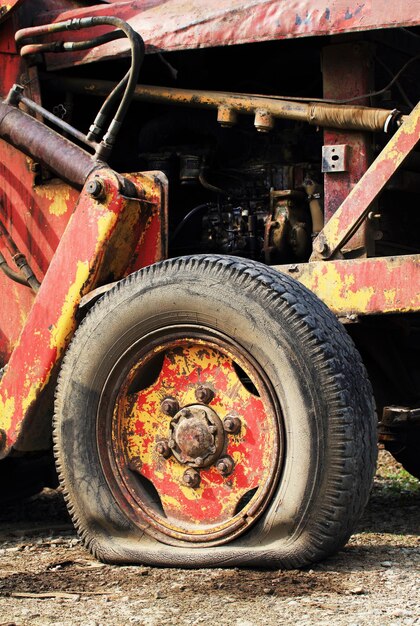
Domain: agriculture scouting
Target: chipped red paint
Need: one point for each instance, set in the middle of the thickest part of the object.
(36, 216)
(182, 24)
(347, 72)
(355, 207)
(92, 251)
(215, 503)
(363, 286)
(141, 424)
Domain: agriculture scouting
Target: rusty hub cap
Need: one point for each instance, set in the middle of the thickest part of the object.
(187, 471)
(198, 435)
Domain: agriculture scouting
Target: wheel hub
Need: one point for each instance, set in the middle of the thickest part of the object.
(192, 472)
(197, 436)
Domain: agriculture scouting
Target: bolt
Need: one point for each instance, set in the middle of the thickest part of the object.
(35, 167)
(163, 448)
(191, 478)
(232, 424)
(225, 465)
(171, 443)
(204, 394)
(95, 188)
(199, 461)
(169, 406)
(321, 246)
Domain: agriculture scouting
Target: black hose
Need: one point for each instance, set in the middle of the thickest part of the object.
(200, 207)
(92, 43)
(137, 56)
(66, 46)
(106, 108)
(18, 278)
(129, 81)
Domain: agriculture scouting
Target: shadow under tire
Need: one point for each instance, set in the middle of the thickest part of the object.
(302, 454)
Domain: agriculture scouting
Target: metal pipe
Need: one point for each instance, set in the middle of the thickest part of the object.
(62, 157)
(263, 108)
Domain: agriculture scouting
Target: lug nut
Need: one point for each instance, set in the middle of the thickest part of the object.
(163, 448)
(225, 465)
(169, 406)
(191, 478)
(232, 424)
(204, 394)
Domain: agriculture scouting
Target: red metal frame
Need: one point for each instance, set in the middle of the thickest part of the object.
(178, 25)
(353, 63)
(347, 219)
(96, 248)
(72, 251)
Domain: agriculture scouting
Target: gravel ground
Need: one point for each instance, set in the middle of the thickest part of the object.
(47, 578)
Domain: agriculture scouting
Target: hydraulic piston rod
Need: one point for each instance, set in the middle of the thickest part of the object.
(70, 162)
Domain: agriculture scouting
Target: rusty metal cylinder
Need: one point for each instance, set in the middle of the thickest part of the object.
(264, 108)
(62, 157)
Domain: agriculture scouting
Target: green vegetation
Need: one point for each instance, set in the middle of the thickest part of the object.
(397, 481)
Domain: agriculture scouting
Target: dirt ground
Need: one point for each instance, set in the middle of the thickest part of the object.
(46, 576)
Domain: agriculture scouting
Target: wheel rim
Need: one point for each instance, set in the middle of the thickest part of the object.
(190, 436)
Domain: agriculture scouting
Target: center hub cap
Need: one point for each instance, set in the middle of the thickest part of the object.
(197, 436)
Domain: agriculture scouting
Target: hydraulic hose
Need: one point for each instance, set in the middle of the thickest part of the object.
(128, 83)
(18, 278)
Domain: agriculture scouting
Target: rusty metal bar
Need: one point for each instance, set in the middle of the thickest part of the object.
(347, 219)
(16, 96)
(228, 105)
(71, 163)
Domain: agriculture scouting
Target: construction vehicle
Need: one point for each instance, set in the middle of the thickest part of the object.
(210, 280)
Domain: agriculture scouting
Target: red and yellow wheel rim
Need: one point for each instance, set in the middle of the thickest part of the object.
(148, 446)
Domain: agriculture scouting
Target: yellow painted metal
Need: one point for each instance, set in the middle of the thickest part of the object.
(363, 286)
(139, 424)
(104, 255)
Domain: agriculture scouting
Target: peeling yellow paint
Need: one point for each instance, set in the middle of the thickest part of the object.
(66, 323)
(58, 193)
(327, 283)
(33, 393)
(7, 409)
(390, 295)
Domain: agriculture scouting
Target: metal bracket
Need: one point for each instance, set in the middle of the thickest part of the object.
(335, 158)
(347, 219)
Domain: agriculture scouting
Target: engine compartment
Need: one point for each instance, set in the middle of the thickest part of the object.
(247, 189)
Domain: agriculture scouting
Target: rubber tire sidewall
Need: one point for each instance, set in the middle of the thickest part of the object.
(240, 308)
